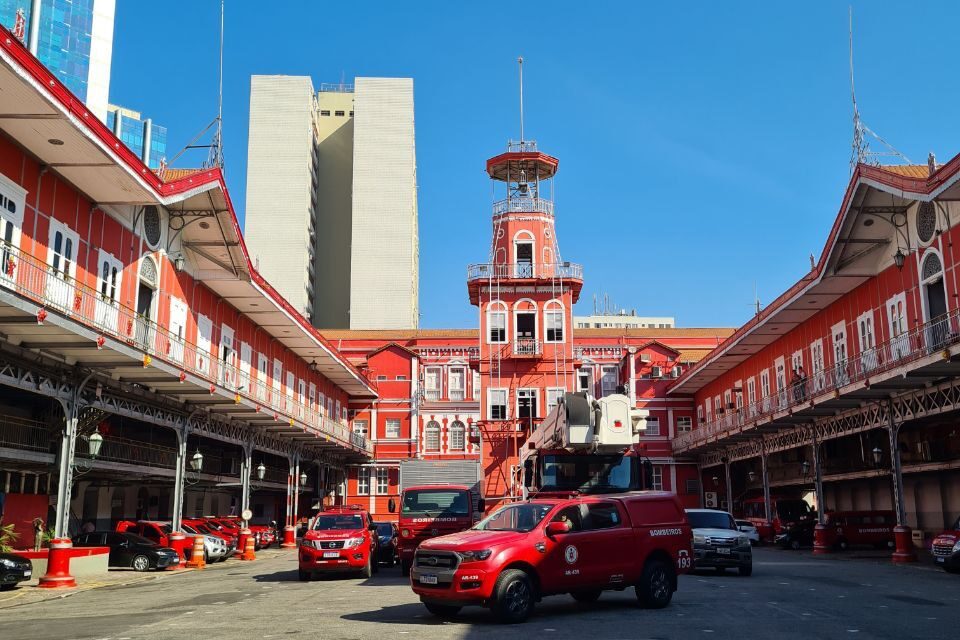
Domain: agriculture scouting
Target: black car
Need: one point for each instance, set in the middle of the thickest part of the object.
(14, 569)
(387, 534)
(129, 550)
(797, 536)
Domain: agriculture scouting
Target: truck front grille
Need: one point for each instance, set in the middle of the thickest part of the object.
(942, 549)
(436, 559)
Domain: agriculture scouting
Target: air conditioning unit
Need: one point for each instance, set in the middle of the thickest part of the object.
(676, 371)
(644, 357)
(655, 372)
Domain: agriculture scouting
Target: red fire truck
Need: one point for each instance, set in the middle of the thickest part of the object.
(436, 498)
(787, 512)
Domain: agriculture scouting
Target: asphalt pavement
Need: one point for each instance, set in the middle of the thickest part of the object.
(790, 595)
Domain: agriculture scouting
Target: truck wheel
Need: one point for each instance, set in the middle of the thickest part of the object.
(376, 563)
(442, 610)
(303, 575)
(746, 570)
(842, 544)
(655, 589)
(140, 563)
(586, 597)
(368, 570)
(513, 596)
(404, 568)
(795, 545)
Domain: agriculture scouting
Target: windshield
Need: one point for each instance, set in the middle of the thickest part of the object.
(515, 517)
(384, 529)
(210, 524)
(436, 502)
(339, 522)
(165, 528)
(710, 520)
(588, 473)
(792, 510)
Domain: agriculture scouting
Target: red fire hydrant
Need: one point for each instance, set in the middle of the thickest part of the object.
(58, 566)
(904, 543)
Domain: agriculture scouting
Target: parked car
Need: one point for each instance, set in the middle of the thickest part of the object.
(129, 550)
(389, 535)
(798, 536)
(215, 549)
(210, 528)
(750, 530)
(14, 569)
(718, 543)
(342, 539)
(946, 548)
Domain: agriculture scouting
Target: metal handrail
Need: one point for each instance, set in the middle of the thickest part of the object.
(19, 433)
(521, 146)
(921, 341)
(526, 347)
(55, 290)
(523, 205)
(546, 271)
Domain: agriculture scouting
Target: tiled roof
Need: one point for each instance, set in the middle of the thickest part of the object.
(908, 170)
(693, 355)
(172, 175)
(675, 332)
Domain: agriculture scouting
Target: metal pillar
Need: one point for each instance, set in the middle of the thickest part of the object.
(33, 40)
(820, 530)
(68, 446)
(729, 483)
(245, 469)
(289, 517)
(901, 533)
(296, 487)
(764, 470)
(179, 480)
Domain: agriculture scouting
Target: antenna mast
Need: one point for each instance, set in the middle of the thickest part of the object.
(216, 149)
(861, 152)
(520, 64)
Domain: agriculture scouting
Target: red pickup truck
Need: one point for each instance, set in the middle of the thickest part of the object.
(580, 545)
(429, 511)
(342, 539)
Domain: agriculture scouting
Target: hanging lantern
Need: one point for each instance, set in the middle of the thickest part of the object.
(178, 262)
(261, 471)
(898, 258)
(77, 301)
(212, 389)
(752, 476)
(11, 266)
(100, 342)
(877, 455)
(94, 442)
(303, 477)
(805, 467)
(147, 360)
(196, 462)
(183, 376)
(41, 315)
(236, 399)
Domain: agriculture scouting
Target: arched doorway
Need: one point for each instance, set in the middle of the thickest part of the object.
(935, 299)
(147, 285)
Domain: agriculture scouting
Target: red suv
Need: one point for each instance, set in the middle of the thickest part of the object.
(343, 539)
(580, 545)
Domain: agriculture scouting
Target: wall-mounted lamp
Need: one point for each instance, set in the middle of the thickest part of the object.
(261, 471)
(178, 262)
(898, 258)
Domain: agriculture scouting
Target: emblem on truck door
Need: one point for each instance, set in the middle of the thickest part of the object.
(571, 554)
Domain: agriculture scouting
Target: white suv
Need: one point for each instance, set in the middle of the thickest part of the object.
(717, 543)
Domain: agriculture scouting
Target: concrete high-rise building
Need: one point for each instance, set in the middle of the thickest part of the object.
(331, 211)
(72, 38)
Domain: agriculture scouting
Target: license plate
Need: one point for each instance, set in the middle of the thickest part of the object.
(27, 574)
(940, 559)
(723, 551)
(331, 554)
(428, 579)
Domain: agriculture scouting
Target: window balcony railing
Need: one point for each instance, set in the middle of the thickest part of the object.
(526, 347)
(18, 433)
(431, 394)
(566, 270)
(456, 395)
(55, 290)
(923, 340)
(523, 205)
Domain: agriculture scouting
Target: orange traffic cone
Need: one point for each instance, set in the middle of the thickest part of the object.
(196, 558)
(248, 548)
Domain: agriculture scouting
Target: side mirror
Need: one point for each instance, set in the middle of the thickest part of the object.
(557, 527)
(392, 505)
(481, 506)
(528, 473)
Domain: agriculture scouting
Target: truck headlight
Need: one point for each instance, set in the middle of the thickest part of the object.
(405, 533)
(474, 556)
(699, 539)
(956, 547)
(743, 541)
(10, 564)
(352, 543)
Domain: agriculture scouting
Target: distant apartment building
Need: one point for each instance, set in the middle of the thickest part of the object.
(623, 320)
(146, 139)
(331, 212)
(72, 38)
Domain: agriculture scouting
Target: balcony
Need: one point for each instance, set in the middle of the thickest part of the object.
(523, 270)
(527, 347)
(36, 281)
(431, 394)
(523, 205)
(892, 357)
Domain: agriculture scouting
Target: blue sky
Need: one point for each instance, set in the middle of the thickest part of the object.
(703, 147)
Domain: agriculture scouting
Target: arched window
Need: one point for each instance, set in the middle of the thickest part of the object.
(457, 440)
(496, 323)
(525, 327)
(524, 251)
(931, 277)
(553, 321)
(431, 436)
